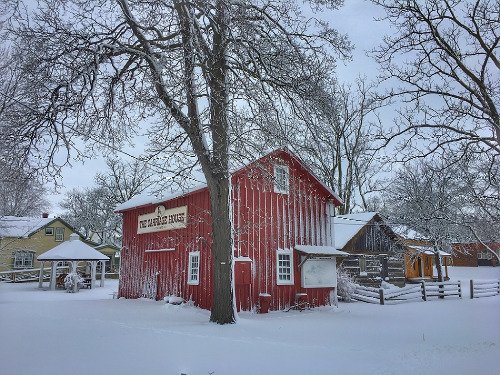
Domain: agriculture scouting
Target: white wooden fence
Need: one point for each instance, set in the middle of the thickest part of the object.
(29, 274)
(484, 288)
(410, 293)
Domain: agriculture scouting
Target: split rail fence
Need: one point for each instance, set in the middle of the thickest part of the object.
(31, 274)
(484, 288)
(410, 293)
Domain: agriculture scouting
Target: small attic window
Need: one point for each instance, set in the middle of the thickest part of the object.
(281, 179)
(49, 231)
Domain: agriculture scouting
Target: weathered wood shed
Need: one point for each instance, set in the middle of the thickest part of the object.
(278, 205)
(375, 253)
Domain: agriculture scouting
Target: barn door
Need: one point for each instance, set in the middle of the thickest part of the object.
(242, 282)
(151, 287)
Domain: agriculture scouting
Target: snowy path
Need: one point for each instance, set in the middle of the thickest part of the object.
(88, 332)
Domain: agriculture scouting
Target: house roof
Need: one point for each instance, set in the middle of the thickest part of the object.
(429, 250)
(345, 227)
(320, 250)
(148, 199)
(23, 227)
(74, 249)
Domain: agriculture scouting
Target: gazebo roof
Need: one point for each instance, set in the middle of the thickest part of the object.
(74, 249)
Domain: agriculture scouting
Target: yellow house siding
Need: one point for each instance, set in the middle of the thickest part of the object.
(38, 242)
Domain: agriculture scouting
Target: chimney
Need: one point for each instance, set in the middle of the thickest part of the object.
(45, 215)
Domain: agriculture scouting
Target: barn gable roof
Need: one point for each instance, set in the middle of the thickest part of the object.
(148, 199)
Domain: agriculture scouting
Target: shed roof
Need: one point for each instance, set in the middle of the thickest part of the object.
(347, 226)
(74, 249)
(320, 250)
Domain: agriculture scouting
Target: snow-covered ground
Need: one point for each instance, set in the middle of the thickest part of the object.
(53, 332)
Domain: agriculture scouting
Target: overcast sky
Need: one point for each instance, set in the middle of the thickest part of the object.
(356, 19)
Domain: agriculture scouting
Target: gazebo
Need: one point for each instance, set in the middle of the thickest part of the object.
(72, 251)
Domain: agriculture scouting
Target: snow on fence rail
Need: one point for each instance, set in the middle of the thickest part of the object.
(442, 289)
(484, 288)
(410, 293)
(30, 274)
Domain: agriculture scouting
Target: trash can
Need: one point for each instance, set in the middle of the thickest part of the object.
(264, 303)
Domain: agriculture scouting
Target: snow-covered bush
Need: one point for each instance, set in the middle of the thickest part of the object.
(345, 285)
(70, 280)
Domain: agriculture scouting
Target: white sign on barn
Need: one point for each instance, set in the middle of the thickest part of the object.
(162, 220)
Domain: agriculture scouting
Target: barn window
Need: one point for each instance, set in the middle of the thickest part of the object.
(281, 177)
(23, 259)
(194, 268)
(284, 267)
(59, 234)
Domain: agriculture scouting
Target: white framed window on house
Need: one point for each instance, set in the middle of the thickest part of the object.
(194, 268)
(281, 179)
(23, 259)
(284, 267)
(59, 234)
(49, 231)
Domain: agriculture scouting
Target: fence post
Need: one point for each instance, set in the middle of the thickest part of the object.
(441, 289)
(459, 288)
(424, 293)
(471, 289)
(381, 295)
(498, 286)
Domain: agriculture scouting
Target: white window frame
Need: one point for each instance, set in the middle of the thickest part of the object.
(49, 231)
(280, 275)
(25, 258)
(59, 234)
(194, 268)
(281, 182)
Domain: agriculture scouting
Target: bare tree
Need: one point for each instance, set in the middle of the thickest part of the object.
(334, 133)
(21, 194)
(97, 69)
(122, 181)
(436, 200)
(444, 58)
(91, 212)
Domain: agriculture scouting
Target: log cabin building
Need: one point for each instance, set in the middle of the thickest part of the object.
(375, 253)
(283, 245)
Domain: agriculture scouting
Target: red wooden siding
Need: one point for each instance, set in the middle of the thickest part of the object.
(264, 221)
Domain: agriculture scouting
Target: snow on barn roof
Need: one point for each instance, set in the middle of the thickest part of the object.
(147, 199)
(74, 249)
(345, 227)
(14, 226)
(320, 250)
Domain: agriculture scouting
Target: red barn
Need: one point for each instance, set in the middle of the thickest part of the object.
(283, 245)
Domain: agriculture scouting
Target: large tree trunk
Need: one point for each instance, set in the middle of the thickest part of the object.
(222, 311)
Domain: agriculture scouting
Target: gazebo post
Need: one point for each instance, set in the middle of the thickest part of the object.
(103, 272)
(53, 275)
(40, 277)
(93, 271)
(73, 266)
